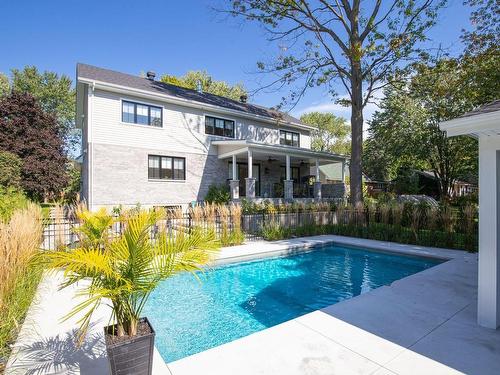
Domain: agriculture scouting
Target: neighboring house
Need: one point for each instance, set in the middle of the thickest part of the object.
(429, 185)
(425, 183)
(157, 144)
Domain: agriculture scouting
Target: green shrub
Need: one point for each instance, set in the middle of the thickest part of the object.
(10, 200)
(17, 304)
(408, 223)
(386, 197)
(71, 192)
(273, 231)
(250, 208)
(232, 237)
(10, 170)
(406, 181)
(464, 200)
(218, 194)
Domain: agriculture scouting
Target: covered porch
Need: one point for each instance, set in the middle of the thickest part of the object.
(279, 171)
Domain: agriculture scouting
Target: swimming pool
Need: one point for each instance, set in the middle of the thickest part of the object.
(232, 301)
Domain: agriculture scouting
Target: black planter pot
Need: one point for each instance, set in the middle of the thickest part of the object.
(133, 356)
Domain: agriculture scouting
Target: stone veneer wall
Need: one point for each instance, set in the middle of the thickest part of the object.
(120, 176)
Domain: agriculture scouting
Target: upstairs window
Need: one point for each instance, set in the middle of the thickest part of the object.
(219, 126)
(142, 114)
(166, 168)
(289, 138)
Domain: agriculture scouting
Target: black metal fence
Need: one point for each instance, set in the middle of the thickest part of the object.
(62, 231)
(253, 223)
(452, 229)
(57, 232)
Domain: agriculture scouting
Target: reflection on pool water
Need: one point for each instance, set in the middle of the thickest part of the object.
(236, 300)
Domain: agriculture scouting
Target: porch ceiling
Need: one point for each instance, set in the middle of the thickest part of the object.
(262, 151)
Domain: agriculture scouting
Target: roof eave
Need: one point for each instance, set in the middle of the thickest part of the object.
(190, 103)
(245, 144)
(472, 125)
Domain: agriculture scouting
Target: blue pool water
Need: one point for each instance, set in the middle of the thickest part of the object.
(232, 301)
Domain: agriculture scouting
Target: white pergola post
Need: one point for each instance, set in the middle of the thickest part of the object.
(234, 184)
(484, 124)
(250, 181)
(288, 183)
(488, 312)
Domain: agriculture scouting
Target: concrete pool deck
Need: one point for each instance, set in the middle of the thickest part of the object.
(422, 324)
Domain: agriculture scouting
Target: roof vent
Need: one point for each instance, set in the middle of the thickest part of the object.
(243, 98)
(199, 87)
(151, 75)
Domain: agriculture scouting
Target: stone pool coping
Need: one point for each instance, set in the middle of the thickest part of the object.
(263, 249)
(328, 341)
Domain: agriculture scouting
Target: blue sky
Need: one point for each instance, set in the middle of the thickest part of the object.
(165, 36)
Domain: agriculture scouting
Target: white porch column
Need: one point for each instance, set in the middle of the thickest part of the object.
(250, 163)
(250, 181)
(288, 183)
(235, 168)
(234, 184)
(343, 171)
(489, 233)
(317, 183)
(288, 172)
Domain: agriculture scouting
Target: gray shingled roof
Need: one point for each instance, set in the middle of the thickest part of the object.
(487, 108)
(136, 82)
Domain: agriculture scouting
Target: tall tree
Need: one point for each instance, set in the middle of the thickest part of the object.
(4, 84)
(27, 131)
(331, 133)
(481, 57)
(485, 32)
(352, 44)
(396, 136)
(191, 79)
(55, 95)
(406, 130)
(10, 169)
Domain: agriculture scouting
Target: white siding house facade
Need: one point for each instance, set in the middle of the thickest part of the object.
(159, 145)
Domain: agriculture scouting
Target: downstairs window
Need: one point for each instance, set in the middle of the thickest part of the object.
(166, 168)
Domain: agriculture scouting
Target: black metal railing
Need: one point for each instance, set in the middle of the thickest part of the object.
(61, 231)
(454, 230)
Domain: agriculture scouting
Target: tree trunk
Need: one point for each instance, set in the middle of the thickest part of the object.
(357, 134)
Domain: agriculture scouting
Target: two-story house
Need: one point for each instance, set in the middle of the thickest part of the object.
(156, 144)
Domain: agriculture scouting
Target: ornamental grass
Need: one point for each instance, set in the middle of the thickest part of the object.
(20, 238)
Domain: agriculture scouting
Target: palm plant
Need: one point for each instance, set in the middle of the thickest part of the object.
(125, 270)
(93, 230)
